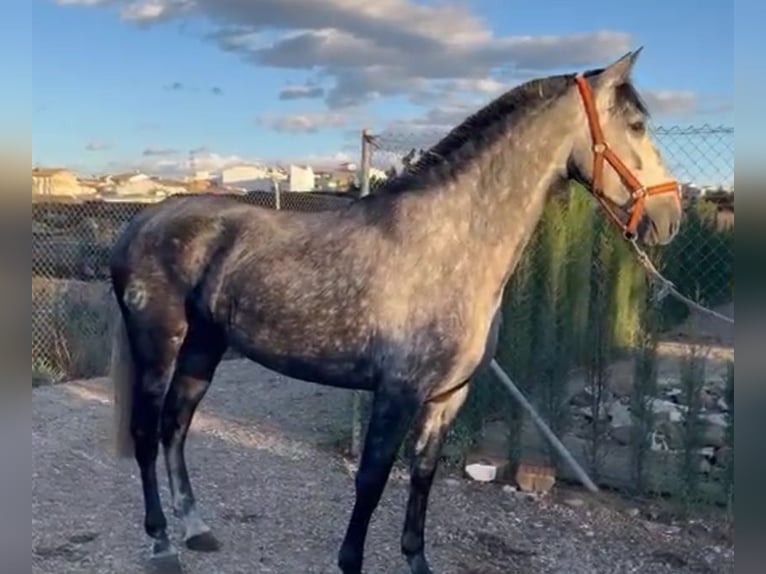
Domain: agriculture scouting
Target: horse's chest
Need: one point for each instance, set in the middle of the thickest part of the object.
(467, 351)
(480, 342)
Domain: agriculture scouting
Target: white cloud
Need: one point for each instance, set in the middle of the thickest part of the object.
(359, 50)
(159, 152)
(350, 52)
(97, 145)
(307, 91)
(170, 163)
(150, 11)
(82, 2)
(303, 123)
(671, 103)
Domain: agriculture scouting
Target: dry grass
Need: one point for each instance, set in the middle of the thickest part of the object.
(71, 329)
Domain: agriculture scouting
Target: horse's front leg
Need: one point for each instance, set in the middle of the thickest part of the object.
(393, 409)
(431, 432)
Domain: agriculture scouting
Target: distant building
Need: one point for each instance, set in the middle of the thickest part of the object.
(238, 175)
(251, 177)
(203, 175)
(300, 178)
(340, 178)
(691, 191)
(139, 187)
(58, 181)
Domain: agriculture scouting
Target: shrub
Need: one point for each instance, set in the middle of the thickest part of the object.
(71, 323)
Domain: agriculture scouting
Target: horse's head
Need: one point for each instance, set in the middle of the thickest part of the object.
(614, 156)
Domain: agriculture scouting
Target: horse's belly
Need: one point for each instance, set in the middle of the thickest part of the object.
(348, 368)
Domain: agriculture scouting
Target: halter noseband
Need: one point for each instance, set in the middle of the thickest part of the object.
(601, 152)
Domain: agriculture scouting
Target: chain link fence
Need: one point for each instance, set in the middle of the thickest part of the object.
(637, 388)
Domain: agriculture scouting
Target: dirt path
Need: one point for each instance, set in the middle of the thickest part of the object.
(279, 498)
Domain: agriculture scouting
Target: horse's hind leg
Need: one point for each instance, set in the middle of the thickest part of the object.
(393, 408)
(431, 431)
(200, 354)
(155, 337)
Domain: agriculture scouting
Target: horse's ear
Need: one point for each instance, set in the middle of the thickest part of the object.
(619, 71)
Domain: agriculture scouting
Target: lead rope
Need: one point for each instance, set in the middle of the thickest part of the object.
(666, 287)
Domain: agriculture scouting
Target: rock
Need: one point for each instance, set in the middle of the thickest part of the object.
(672, 411)
(633, 512)
(674, 395)
(487, 467)
(495, 439)
(619, 415)
(664, 381)
(723, 455)
(722, 405)
(714, 436)
(509, 489)
(587, 412)
(660, 528)
(658, 442)
(717, 419)
(707, 458)
(581, 399)
(622, 435)
(481, 472)
(709, 397)
(707, 452)
(574, 502)
(620, 379)
(451, 482)
(672, 435)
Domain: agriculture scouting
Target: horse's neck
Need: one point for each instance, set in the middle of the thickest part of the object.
(485, 216)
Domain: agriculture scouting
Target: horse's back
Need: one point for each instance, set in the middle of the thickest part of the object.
(184, 238)
(176, 239)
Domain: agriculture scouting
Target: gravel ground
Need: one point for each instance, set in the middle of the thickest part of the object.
(278, 496)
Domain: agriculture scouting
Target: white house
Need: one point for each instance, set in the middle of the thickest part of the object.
(58, 181)
(301, 178)
(251, 177)
(129, 184)
(238, 175)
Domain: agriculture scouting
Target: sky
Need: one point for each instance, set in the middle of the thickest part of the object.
(142, 84)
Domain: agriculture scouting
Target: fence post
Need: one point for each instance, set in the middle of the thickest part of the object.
(364, 166)
(356, 397)
(277, 194)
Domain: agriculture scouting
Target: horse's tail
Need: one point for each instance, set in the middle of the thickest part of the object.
(123, 374)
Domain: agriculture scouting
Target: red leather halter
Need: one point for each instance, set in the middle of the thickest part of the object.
(601, 152)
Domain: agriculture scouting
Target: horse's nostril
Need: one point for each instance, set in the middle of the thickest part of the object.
(673, 228)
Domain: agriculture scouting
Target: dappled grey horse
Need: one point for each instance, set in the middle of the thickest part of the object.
(397, 293)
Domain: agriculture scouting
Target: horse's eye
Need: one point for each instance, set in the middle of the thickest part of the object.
(638, 127)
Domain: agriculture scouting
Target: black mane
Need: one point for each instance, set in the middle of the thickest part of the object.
(481, 129)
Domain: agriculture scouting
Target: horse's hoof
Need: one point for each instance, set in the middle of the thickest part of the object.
(203, 542)
(419, 564)
(164, 559)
